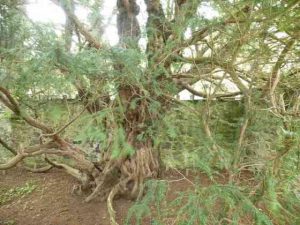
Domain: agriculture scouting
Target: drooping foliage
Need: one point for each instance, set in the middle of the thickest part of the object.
(111, 117)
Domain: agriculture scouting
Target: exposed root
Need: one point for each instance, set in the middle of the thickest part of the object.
(12, 162)
(114, 191)
(125, 177)
(108, 179)
(39, 170)
(141, 191)
(82, 177)
(95, 193)
(111, 211)
(111, 178)
(76, 190)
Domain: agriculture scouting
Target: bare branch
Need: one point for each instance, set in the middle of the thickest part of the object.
(80, 26)
(34, 170)
(6, 102)
(66, 125)
(205, 95)
(13, 161)
(13, 105)
(227, 67)
(70, 170)
(39, 170)
(11, 100)
(29, 152)
(275, 74)
(5, 145)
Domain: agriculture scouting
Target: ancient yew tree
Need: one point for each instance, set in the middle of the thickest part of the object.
(118, 96)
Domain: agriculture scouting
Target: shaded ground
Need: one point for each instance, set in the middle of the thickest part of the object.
(52, 203)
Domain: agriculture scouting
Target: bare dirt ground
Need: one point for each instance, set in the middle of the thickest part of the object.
(52, 203)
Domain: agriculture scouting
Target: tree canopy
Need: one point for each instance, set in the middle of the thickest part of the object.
(69, 86)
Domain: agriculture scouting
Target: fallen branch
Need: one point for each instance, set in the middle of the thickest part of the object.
(184, 177)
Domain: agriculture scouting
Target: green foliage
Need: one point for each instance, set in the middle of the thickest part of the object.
(8, 222)
(156, 192)
(244, 39)
(120, 146)
(12, 26)
(90, 128)
(183, 142)
(55, 113)
(213, 204)
(281, 199)
(17, 192)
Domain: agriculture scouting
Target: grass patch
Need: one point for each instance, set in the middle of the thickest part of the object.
(8, 222)
(7, 195)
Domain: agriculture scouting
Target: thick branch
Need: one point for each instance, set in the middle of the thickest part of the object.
(13, 105)
(39, 170)
(13, 161)
(71, 171)
(5, 145)
(202, 33)
(6, 102)
(66, 147)
(205, 95)
(80, 26)
(11, 100)
(66, 125)
(227, 67)
(35, 150)
(275, 75)
(34, 170)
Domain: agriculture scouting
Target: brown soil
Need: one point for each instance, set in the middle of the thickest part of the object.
(53, 204)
